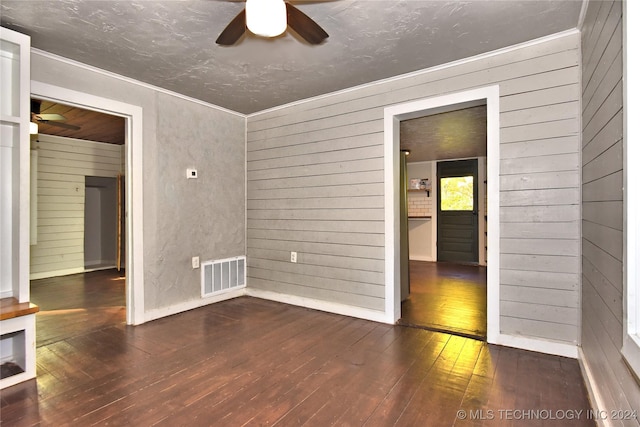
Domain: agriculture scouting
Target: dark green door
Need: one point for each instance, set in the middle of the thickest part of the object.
(458, 211)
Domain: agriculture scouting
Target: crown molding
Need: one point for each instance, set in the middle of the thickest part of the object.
(49, 55)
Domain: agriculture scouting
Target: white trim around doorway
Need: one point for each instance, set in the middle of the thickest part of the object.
(490, 96)
(134, 207)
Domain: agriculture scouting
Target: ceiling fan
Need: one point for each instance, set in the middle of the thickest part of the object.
(270, 18)
(49, 119)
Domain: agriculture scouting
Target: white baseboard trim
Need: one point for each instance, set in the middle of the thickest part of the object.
(421, 258)
(57, 273)
(538, 344)
(330, 307)
(106, 267)
(592, 389)
(100, 262)
(190, 305)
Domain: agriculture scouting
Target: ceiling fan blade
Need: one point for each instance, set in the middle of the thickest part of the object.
(51, 117)
(232, 33)
(58, 124)
(306, 27)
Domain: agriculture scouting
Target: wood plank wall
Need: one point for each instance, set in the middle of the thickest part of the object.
(315, 186)
(63, 164)
(602, 193)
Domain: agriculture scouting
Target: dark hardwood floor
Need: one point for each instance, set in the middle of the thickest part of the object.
(248, 361)
(447, 297)
(76, 304)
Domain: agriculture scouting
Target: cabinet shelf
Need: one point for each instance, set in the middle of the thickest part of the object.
(411, 190)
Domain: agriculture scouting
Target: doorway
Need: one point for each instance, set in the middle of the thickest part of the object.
(393, 116)
(100, 223)
(448, 291)
(133, 154)
(80, 157)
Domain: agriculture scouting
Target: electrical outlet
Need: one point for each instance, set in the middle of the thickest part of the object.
(294, 256)
(195, 262)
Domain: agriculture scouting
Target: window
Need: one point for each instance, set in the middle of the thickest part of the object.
(456, 194)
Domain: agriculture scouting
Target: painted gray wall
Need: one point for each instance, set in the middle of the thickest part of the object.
(315, 186)
(602, 194)
(182, 218)
(195, 217)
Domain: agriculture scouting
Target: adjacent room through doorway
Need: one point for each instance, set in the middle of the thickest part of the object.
(77, 256)
(446, 211)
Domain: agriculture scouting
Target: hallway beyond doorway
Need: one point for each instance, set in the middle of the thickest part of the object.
(447, 297)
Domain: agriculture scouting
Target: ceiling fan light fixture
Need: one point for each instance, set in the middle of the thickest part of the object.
(266, 18)
(33, 128)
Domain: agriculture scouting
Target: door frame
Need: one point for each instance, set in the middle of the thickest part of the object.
(490, 96)
(134, 261)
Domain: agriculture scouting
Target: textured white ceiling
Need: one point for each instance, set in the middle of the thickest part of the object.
(170, 44)
(456, 134)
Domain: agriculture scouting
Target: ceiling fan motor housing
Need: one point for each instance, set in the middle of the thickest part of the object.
(270, 18)
(266, 18)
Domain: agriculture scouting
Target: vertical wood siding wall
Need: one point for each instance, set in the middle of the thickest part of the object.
(63, 164)
(315, 186)
(602, 225)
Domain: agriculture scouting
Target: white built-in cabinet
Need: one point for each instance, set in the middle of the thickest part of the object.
(17, 316)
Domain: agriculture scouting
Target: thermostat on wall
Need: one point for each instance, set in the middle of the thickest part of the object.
(192, 173)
